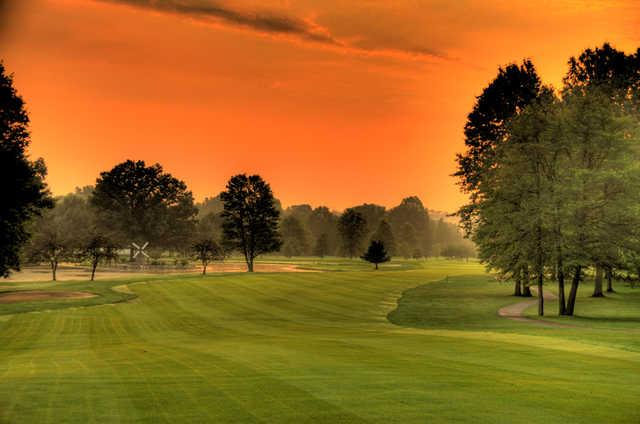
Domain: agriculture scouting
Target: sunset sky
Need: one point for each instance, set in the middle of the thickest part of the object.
(333, 102)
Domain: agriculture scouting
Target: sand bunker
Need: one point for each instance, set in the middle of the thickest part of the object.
(29, 296)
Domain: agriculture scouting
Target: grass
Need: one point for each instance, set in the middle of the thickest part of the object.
(420, 342)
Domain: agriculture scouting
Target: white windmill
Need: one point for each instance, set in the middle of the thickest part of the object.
(139, 252)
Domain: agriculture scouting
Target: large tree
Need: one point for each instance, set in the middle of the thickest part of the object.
(352, 228)
(564, 192)
(250, 217)
(139, 203)
(604, 143)
(23, 191)
(604, 72)
(515, 87)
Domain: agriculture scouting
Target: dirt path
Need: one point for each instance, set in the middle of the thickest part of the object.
(515, 311)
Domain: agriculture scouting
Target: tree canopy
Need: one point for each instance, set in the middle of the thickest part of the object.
(515, 87)
(140, 203)
(561, 196)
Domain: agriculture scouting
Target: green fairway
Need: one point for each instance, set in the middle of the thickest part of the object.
(419, 342)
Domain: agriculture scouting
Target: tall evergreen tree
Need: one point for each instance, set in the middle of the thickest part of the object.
(376, 253)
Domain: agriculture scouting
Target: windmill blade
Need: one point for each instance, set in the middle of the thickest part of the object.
(145, 254)
(144, 246)
(135, 255)
(135, 245)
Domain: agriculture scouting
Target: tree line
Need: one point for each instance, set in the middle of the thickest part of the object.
(136, 203)
(553, 176)
(406, 230)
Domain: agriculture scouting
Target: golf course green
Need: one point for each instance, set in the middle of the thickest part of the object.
(414, 342)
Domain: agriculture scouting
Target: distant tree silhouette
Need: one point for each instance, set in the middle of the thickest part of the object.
(459, 250)
(140, 203)
(23, 191)
(250, 217)
(376, 253)
(207, 250)
(96, 249)
(409, 245)
(372, 215)
(294, 237)
(385, 235)
(352, 227)
(322, 246)
(50, 242)
(323, 221)
(63, 232)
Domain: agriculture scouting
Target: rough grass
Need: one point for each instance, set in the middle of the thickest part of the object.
(310, 347)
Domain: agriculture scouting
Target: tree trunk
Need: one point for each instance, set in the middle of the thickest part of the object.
(517, 290)
(204, 268)
(54, 269)
(609, 274)
(94, 265)
(526, 289)
(376, 267)
(249, 265)
(571, 301)
(597, 283)
(562, 307)
(540, 294)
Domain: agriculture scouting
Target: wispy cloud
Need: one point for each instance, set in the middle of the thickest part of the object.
(271, 23)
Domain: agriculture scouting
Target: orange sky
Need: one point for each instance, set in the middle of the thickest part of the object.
(333, 102)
